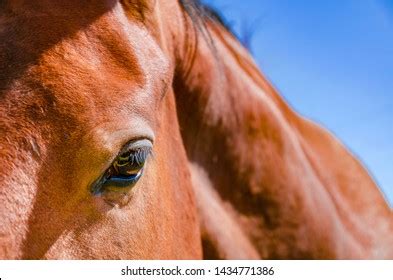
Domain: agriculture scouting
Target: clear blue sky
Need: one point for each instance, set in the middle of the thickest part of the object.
(333, 62)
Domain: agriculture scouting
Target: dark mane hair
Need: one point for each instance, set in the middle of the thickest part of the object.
(199, 13)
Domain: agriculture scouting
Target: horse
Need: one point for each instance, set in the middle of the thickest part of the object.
(143, 129)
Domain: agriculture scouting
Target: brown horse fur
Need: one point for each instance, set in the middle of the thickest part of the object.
(235, 172)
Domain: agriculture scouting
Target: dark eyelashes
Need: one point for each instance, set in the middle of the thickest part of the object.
(138, 157)
(135, 156)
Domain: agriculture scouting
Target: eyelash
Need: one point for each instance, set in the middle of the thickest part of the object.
(139, 155)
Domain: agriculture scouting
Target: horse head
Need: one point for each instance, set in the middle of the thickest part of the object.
(142, 129)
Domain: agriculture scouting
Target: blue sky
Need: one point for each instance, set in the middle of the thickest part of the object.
(333, 62)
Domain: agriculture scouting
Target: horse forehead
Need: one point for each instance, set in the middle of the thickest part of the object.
(96, 70)
(109, 54)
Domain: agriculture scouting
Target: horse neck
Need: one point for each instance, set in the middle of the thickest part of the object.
(276, 179)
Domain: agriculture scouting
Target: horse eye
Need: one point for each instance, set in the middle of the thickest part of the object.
(126, 169)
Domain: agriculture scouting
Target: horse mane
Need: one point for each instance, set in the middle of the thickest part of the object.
(201, 13)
